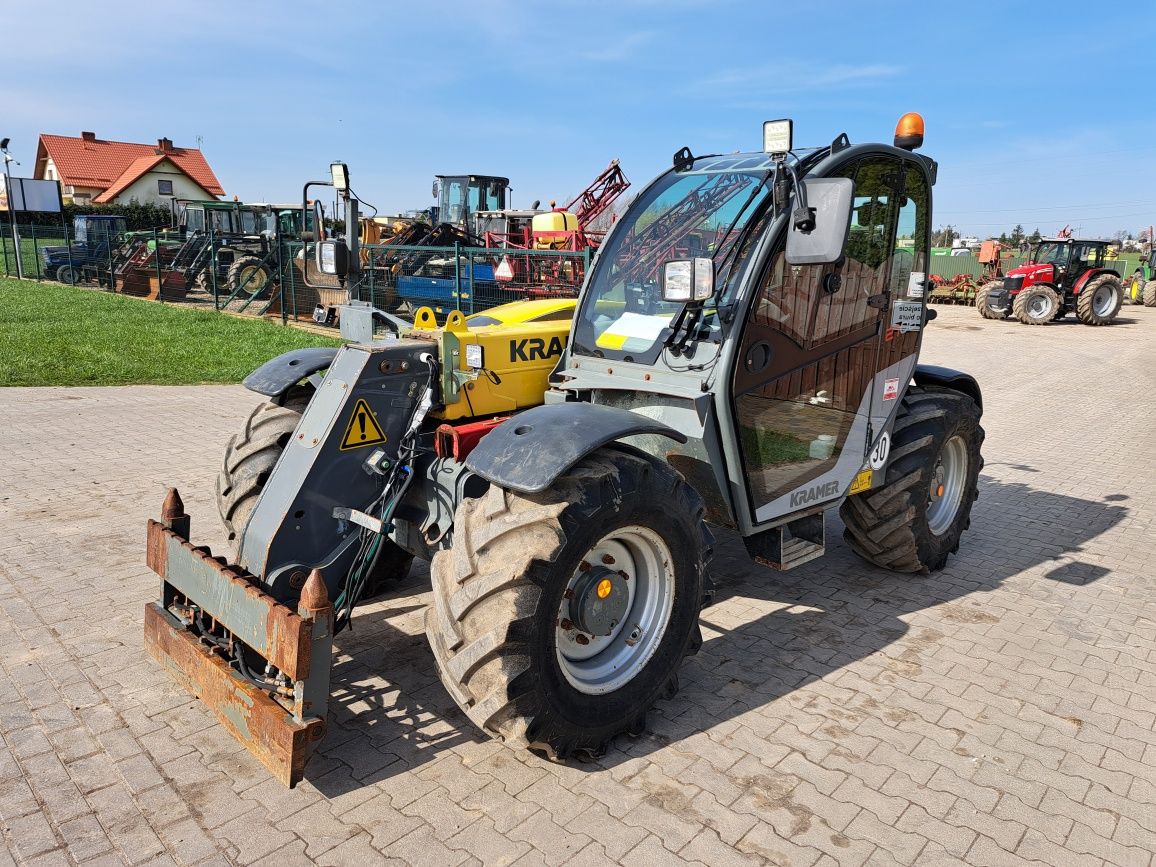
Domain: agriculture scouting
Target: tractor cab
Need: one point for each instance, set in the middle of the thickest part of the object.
(1062, 261)
(459, 197)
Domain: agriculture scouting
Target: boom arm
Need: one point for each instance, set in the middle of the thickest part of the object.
(593, 201)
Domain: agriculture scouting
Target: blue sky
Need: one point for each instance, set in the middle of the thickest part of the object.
(1041, 115)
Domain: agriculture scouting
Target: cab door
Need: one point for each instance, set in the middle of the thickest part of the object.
(805, 375)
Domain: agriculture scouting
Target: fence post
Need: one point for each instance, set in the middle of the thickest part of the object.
(458, 273)
(4, 246)
(111, 272)
(212, 266)
(35, 258)
(470, 265)
(157, 259)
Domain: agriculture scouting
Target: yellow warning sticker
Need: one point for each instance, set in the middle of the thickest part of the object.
(862, 482)
(363, 429)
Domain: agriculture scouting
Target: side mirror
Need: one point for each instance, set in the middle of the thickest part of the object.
(686, 280)
(332, 257)
(434, 189)
(830, 200)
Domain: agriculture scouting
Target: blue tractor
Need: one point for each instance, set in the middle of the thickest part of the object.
(95, 242)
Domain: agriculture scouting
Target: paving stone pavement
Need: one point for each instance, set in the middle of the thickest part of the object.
(998, 712)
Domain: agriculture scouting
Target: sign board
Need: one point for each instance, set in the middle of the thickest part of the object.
(25, 194)
(907, 315)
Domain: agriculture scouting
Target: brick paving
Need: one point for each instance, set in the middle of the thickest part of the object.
(999, 712)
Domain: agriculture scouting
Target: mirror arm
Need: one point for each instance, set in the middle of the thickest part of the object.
(802, 217)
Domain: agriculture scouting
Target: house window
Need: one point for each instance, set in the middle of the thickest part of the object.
(165, 188)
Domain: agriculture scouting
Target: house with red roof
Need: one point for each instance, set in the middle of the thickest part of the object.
(99, 171)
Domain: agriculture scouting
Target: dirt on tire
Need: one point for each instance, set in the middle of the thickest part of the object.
(1085, 301)
(1022, 307)
(888, 526)
(497, 592)
(981, 302)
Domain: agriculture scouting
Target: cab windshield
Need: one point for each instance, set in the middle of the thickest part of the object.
(681, 216)
(1052, 253)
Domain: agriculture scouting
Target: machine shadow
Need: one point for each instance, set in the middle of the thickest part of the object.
(827, 614)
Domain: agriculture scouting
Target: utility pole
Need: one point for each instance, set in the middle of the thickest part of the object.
(8, 158)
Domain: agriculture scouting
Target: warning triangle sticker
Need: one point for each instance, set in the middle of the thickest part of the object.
(363, 429)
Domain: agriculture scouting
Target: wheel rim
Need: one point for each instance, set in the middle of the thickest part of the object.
(251, 279)
(1039, 306)
(1104, 300)
(607, 662)
(948, 479)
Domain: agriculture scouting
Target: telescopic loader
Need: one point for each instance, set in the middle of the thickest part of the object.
(744, 352)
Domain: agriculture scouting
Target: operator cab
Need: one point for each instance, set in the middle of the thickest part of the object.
(461, 196)
(789, 285)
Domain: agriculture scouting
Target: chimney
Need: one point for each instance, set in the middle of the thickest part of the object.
(164, 144)
(88, 136)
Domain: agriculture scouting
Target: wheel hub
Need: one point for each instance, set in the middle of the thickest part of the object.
(601, 600)
(615, 610)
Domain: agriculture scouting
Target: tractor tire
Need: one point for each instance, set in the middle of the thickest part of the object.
(982, 305)
(249, 459)
(513, 602)
(915, 520)
(69, 274)
(250, 275)
(1135, 291)
(1037, 305)
(1150, 293)
(1100, 300)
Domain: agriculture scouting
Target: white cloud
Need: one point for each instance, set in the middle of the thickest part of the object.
(777, 79)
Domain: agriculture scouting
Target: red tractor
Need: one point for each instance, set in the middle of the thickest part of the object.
(1063, 275)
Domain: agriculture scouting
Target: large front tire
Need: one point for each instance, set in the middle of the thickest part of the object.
(1100, 300)
(983, 305)
(523, 567)
(915, 520)
(1037, 305)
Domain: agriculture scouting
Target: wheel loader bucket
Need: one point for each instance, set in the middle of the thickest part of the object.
(213, 621)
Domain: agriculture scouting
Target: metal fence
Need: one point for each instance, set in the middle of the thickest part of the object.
(277, 277)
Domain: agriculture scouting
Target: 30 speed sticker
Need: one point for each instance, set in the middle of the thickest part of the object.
(880, 452)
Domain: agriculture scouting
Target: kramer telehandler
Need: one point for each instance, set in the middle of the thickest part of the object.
(744, 352)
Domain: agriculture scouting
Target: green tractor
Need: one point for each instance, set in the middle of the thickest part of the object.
(1142, 288)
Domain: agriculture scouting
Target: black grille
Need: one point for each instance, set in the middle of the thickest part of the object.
(1012, 284)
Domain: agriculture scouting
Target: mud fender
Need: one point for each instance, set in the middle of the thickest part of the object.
(532, 449)
(277, 375)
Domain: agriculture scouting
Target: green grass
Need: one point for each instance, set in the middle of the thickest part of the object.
(768, 448)
(63, 335)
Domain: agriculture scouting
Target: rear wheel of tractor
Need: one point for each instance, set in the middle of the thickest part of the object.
(1037, 305)
(1150, 293)
(916, 519)
(983, 305)
(1099, 301)
(68, 274)
(250, 275)
(560, 618)
(249, 459)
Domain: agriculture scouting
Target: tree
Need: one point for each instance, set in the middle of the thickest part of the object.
(943, 237)
(1017, 234)
(1035, 235)
(1003, 238)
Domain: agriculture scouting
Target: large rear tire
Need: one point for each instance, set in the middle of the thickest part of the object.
(250, 275)
(984, 307)
(249, 460)
(1150, 293)
(524, 644)
(915, 520)
(1037, 305)
(1100, 300)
